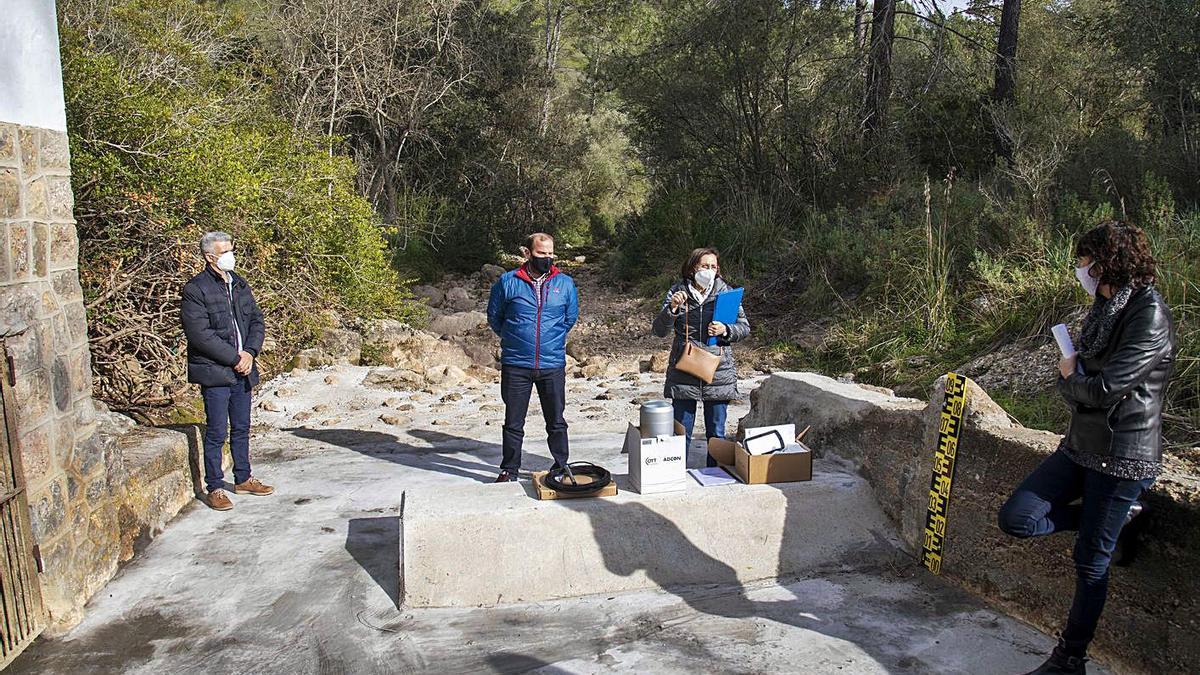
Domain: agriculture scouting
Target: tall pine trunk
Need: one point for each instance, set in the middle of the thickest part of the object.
(879, 69)
(860, 25)
(1005, 91)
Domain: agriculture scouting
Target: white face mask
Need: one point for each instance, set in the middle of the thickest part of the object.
(1090, 283)
(705, 277)
(225, 262)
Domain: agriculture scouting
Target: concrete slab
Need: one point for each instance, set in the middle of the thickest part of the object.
(476, 544)
(307, 580)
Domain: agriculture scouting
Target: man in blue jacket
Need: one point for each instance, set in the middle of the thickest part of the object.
(532, 309)
(225, 330)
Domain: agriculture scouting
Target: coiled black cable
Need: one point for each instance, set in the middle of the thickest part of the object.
(563, 478)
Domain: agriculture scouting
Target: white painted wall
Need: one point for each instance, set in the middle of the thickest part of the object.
(31, 91)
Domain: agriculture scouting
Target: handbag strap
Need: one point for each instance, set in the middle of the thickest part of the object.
(687, 326)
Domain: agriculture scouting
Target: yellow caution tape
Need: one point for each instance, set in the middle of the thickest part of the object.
(949, 430)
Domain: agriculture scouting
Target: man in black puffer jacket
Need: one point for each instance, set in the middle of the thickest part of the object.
(225, 330)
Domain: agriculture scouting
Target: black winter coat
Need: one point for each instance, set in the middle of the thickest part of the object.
(207, 315)
(1117, 402)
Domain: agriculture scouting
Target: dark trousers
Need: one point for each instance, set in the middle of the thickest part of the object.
(1043, 504)
(226, 411)
(516, 384)
(714, 419)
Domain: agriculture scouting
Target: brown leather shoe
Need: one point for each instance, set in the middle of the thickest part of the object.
(253, 486)
(218, 500)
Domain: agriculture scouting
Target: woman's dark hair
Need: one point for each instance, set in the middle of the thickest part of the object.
(1120, 254)
(693, 260)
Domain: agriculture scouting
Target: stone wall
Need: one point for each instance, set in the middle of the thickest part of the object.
(1150, 624)
(43, 324)
(95, 486)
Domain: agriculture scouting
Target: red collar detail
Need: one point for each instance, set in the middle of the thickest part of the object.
(523, 273)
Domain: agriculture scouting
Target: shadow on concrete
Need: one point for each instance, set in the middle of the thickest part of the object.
(707, 584)
(438, 457)
(375, 545)
(512, 663)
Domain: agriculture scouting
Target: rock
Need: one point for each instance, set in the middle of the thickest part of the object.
(331, 421)
(452, 396)
(481, 355)
(336, 346)
(299, 372)
(492, 273)
(459, 299)
(269, 405)
(660, 362)
(592, 370)
(395, 420)
(645, 365)
(431, 295)
(576, 351)
(360, 404)
(605, 395)
(479, 374)
(393, 378)
(392, 343)
(320, 407)
(459, 323)
(331, 379)
(445, 376)
(491, 408)
(394, 402)
(285, 392)
(440, 423)
(302, 416)
(580, 258)
(341, 346)
(630, 377)
(308, 359)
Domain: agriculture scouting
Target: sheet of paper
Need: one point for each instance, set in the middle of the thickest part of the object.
(1063, 337)
(712, 475)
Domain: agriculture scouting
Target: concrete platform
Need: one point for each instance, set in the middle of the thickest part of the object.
(307, 580)
(476, 545)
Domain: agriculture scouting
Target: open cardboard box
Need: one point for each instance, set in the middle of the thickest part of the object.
(756, 469)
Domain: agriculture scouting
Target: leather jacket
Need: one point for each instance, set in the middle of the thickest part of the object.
(1117, 401)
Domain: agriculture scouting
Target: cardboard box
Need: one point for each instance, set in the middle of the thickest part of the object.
(546, 493)
(756, 469)
(657, 464)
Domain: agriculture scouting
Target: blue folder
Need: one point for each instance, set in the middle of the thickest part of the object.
(726, 310)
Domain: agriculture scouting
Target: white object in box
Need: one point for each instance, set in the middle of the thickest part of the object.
(761, 440)
(657, 464)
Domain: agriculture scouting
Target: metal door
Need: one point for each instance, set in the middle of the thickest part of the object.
(21, 613)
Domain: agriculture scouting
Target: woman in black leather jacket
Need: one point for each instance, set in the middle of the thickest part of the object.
(1115, 386)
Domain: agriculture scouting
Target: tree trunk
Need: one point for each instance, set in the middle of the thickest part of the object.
(1006, 53)
(1005, 91)
(879, 70)
(860, 25)
(554, 19)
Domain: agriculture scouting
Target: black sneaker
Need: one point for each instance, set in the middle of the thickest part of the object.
(1061, 663)
(506, 477)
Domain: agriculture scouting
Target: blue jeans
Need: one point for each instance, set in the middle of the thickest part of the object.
(714, 419)
(226, 411)
(1043, 504)
(516, 385)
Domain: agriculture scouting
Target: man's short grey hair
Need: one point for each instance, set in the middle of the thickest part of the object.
(210, 239)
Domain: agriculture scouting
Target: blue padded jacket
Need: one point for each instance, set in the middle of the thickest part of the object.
(533, 331)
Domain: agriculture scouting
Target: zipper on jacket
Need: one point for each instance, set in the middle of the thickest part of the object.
(537, 340)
